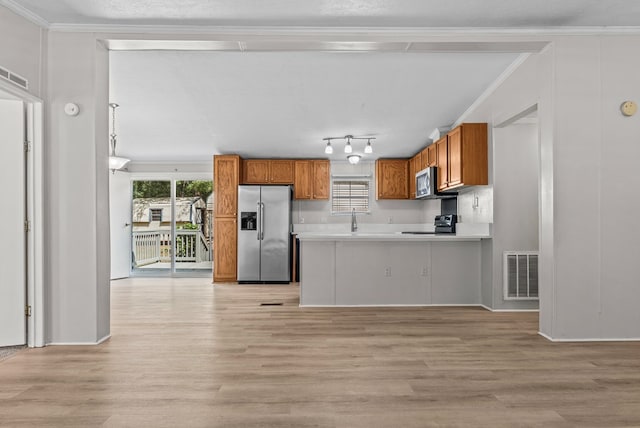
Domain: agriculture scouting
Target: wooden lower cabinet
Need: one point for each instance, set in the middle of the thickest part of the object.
(225, 244)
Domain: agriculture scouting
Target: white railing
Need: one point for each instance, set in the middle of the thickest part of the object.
(153, 246)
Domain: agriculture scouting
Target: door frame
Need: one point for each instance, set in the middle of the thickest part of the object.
(34, 111)
(171, 177)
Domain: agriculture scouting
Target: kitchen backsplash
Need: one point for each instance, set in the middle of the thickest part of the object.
(475, 205)
(382, 212)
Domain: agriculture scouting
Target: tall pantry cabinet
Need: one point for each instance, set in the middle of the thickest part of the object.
(226, 177)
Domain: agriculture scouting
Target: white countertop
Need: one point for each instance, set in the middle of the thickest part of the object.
(388, 236)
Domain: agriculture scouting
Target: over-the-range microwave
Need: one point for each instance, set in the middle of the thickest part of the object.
(427, 185)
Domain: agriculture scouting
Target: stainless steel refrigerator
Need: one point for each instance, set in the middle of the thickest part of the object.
(264, 234)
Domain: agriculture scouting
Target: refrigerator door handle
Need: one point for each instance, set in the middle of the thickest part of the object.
(261, 221)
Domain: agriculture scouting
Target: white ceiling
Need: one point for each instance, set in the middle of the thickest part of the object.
(339, 13)
(184, 100)
(188, 105)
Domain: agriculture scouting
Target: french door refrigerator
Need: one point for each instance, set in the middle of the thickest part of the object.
(264, 233)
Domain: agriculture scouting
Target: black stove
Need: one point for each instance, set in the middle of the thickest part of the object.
(445, 223)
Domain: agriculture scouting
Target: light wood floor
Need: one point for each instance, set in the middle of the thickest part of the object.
(187, 354)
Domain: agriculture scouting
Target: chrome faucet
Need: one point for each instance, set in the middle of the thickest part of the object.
(354, 223)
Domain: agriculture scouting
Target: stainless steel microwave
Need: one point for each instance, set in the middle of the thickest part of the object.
(426, 183)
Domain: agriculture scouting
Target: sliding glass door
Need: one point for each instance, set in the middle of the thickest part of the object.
(194, 226)
(171, 227)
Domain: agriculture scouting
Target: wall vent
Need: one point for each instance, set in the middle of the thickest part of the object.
(14, 78)
(520, 276)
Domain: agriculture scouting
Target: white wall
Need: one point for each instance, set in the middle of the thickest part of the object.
(587, 153)
(77, 220)
(23, 48)
(595, 152)
(388, 212)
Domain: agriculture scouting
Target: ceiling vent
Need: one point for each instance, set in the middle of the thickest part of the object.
(14, 78)
(520, 275)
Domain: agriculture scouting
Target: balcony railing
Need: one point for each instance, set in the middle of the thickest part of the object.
(153, 246)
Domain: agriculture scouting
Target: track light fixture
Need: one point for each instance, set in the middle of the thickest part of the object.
(348, 148)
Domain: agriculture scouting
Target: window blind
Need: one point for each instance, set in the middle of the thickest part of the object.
(350, 194)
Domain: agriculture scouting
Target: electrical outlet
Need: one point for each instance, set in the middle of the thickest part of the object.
(424, 271)
(301, 220)
(387, 271)
(390, 220)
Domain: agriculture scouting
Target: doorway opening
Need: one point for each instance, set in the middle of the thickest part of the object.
(21, 287)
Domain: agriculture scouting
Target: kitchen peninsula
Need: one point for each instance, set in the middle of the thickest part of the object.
(390, 269)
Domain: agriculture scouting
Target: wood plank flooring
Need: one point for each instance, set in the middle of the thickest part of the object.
(185, 353)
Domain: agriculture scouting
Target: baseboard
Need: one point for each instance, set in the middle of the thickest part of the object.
(566, 340)
(394, 305)
(107, 337)
(509, 310)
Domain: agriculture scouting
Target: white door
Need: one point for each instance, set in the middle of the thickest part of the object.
(120, 215)
(13, 329)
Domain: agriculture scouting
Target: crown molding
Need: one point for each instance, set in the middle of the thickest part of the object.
(25, 13)
(339, 31)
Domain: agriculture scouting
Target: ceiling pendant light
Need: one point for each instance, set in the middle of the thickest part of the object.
(115, 162)
(368, 149)
(328, 150)
(353, 159)
(347, 147)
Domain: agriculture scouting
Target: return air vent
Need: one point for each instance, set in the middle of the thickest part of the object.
(520, 275)
(14, 78)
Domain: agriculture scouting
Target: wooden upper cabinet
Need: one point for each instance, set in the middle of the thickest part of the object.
(311, 179)
(226, 175)
(321, 173)
(424, 158)
(302, 183)
(454, 157)
(268, 171)
(441, 155)
(256, 171)
(412, 173)
(392, 179)
(462, 157)
(414, 167)
(281, 171)
(433, 155)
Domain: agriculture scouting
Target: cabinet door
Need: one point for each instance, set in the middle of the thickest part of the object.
(424, 159)
(433, 155)
(392, 179)
(225, 251)
(226, 171)
(454, 159)
(302, 183)
(256, 171)
(281, 171)
(321, 172)
(412, 174)
(443, 173)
